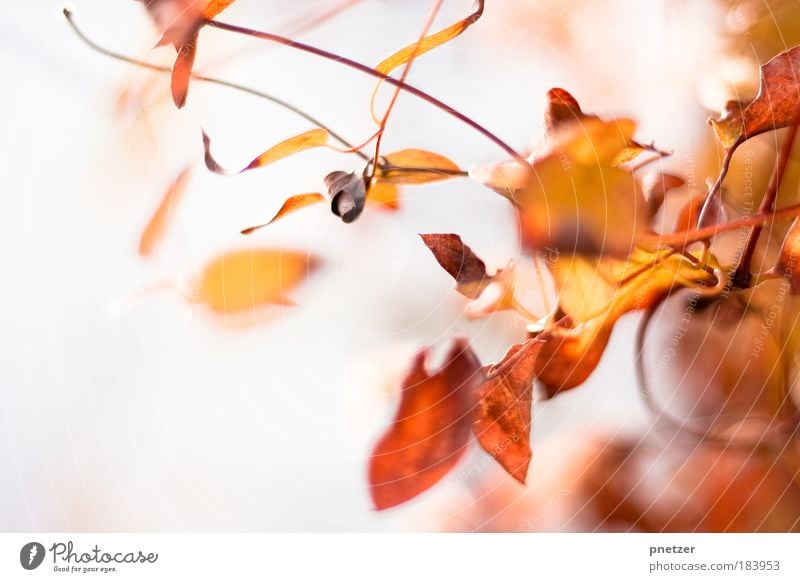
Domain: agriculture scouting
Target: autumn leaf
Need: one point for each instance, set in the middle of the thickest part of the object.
(421, 47)
(503, 415)
(575, 200)
(431, 429)
(593, 294)
(489, 293)
(383, 195)
(427, 167)
(562, 109)
(242, 280)
(777, 104)
(153, 233)
(292, 204)
(180, 22)
(310, 139)
(182, 71)
(689, 214)
(655, 186)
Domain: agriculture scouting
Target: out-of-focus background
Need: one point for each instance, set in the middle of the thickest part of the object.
(128, 410)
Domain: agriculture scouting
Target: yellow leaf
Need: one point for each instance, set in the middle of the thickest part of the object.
(424, 167)
(383, 195)
(292, 204)
(307, 140)
(243, 280)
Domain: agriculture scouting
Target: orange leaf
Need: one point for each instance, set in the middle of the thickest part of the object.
(182, 71)
(309, 139)
(243, 280)
(430, 431)
(153, 233)
(503, 417)
(292, 204)
(383, 195)
(424, 167)
(214, 7)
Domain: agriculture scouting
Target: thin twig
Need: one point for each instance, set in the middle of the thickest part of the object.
(212, 81)
(518, 157)
(742, 274)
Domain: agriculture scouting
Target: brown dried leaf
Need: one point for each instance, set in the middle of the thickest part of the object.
(348, 194)
(306, 140)
(777, 104)
(431, 167)
(562, 109)
(243, 280)
(431, 428)
(153, 233)
(292, 204)
(503, 416)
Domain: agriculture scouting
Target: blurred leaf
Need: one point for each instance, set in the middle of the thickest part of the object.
(690, 213)
(292, 204)
(431, 428)
(214, 7)
(243, 280)
(575, 200)
(431, 166)
(503, 416)
(656, 185)
(348, 194)
(594, 294)
(777, 104)
(562, 109)
(306, 140)
(153, 234)
(182, 71)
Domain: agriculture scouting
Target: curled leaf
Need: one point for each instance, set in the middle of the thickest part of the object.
(430, 430)
(153, 233)
(306, 140)
(243, 280)
(503, 415)
(413, 166)
(292, 204)
(777, 104)
(348, 194)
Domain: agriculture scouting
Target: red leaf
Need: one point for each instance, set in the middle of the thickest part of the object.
(503, 417)
(430, 431)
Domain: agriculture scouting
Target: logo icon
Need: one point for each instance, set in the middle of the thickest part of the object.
(31, 555)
